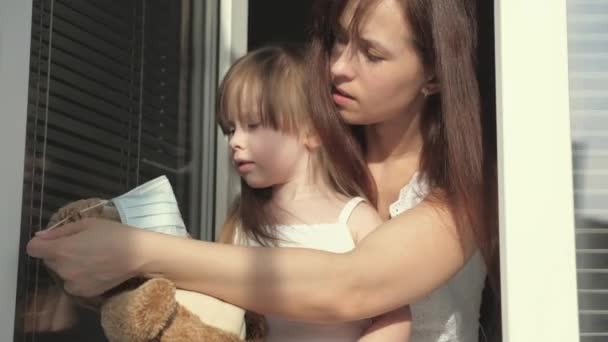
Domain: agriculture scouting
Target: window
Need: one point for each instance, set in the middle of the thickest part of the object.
(111, 104)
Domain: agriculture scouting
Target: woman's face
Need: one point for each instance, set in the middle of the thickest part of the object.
(381, 77)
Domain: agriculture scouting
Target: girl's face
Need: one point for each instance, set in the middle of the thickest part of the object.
(264, 156)
(380, 77)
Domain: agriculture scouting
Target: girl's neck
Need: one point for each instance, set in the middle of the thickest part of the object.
(394, 140)
(306, 183)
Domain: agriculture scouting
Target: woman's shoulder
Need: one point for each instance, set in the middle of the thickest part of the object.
(432, 217)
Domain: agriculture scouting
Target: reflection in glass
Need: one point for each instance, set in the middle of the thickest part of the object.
(108, 109)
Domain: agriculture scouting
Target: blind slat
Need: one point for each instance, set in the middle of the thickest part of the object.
(588, 71)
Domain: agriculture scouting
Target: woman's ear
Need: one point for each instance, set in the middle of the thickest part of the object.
(431, 87)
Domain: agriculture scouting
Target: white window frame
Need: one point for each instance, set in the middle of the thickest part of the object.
(232, 45)
(537, 237)
(15, 37)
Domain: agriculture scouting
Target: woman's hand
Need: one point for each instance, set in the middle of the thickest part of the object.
(92, 255)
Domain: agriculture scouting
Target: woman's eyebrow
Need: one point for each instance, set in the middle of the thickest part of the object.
(368, 42)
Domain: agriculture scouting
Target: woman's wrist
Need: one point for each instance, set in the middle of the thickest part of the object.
(148, 252)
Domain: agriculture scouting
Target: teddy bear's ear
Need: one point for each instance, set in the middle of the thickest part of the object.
(77, 210)
(54, 220)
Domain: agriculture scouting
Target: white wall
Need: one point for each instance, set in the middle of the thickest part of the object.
(15, 29)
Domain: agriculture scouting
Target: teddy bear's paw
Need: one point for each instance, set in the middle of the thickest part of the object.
(140, 314)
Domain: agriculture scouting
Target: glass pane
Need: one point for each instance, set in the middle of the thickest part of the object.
(588, 76)
(109, 108)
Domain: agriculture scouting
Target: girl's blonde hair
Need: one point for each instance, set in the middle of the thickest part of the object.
(270, 84)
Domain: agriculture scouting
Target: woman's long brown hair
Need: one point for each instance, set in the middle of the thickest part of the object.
(458, 157)
(273, 81)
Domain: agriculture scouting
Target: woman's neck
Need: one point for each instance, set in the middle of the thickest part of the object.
(394, 140)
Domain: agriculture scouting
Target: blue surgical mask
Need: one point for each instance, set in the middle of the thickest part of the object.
(151, 206)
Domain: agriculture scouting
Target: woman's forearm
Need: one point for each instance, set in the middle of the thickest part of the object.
(291, 282)
(401, 261)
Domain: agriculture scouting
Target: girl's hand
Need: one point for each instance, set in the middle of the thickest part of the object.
(92, 255)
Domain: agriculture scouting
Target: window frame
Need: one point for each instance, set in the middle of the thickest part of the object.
(537, 236)
(232, 45)
(205, 27)
(15, 36)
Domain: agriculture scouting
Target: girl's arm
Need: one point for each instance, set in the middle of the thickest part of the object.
(403, 259)
(392, 326)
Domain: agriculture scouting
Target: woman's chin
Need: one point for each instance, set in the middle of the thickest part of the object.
(353, 117)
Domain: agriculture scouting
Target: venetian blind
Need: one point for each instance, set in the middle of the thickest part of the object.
(588, 74)
(108, 109)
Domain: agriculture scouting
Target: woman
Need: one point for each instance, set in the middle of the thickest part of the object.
(403, 72)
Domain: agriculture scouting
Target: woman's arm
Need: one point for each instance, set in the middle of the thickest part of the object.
(391, 326)
(404, 259)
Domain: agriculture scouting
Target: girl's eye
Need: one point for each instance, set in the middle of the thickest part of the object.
(254, 125)
(228, 131)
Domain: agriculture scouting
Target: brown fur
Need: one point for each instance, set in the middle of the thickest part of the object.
(150, 313)
(139, 310)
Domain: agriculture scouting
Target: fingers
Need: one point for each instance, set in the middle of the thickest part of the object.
(62, 231)
(42, 245)
(41, 249)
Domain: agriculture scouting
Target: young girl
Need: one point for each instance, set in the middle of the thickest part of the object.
(297, 189)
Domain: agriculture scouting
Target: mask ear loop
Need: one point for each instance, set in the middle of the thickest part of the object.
(80, 212)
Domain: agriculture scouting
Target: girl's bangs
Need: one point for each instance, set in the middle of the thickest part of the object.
(266, 87)
(240, 97)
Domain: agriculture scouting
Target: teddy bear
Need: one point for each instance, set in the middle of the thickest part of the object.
(149, 309)
(153, 309)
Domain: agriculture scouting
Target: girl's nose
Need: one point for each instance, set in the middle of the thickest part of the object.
(237, 140)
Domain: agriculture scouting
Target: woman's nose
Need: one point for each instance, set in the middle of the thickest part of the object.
(342, 65)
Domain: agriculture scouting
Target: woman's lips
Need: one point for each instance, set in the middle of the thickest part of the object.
(340, 97)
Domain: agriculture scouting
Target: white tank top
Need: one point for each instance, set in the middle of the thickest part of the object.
(451, 312)
(333, 237)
